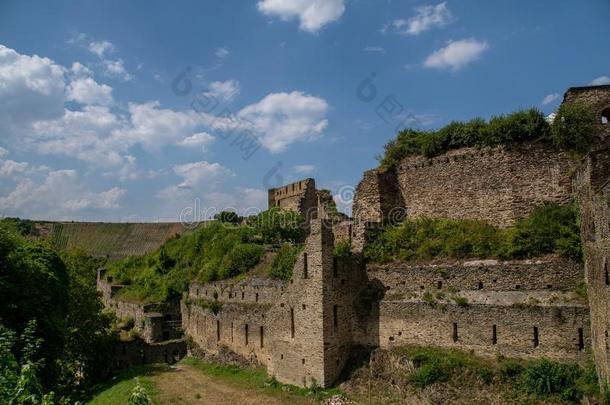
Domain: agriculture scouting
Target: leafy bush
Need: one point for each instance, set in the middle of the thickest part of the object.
(228, 217)
(573, 127)
(277, 226)
(283, 262)
(520, 126)
(342, 248)
(543, 378)
(548, 229)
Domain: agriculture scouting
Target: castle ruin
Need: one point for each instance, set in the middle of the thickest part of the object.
(303, 330)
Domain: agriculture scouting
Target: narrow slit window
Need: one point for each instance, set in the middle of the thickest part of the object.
(262, 337)
(231, 332)
(494, 335)
(606, 273)
(335, 316)
(480, 285)
(292, 323)
(246, 333)
(218, 331)
(455, 332)
(581, 339)
(256, 297)
(304, 265)
(536, 337)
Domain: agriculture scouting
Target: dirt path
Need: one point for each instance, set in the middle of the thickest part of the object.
(184, 384)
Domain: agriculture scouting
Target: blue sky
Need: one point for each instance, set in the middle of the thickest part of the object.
(138, 110)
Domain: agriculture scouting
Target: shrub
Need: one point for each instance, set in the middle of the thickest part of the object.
(573, 127)
(520, 126)
(460, 301)
(228, 217)
(543, 378)
(342, 248)
(548, 229)
(283, 262)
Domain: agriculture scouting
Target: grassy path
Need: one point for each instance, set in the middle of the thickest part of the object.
(194, 382)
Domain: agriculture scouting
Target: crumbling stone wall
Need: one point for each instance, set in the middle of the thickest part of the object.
(592, 183)
(137, 352)
(547, 274)
(155, 322)
(559, 329)
(300, 196)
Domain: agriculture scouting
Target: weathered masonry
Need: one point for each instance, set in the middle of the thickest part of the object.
(304, 329)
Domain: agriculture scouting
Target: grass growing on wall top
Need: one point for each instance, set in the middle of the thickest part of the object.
(216, 251)
(549, 229)
(571, 129)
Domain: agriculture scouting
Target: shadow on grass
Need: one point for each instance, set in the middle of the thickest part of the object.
(148, 370)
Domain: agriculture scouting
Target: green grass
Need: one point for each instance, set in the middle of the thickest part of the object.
(520, 381)
(258, 378)
(118, 390)
(549, 229)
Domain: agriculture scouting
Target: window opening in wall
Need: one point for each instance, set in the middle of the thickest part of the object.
(439, 285)
(605, 116)
(536, 340)
(335, 316)
(480, 285)
(494, 335)
(218, 331)
(292, 323)
(304, 307)
(606, 334)
(262, 337)
(517, 287)
(231, 332)
(606, 273)
(335, 272)
(243, 295)
(304, 265)
(246, 333)
(581, 339)
(302, 361)
(455, 332)
(256, 297)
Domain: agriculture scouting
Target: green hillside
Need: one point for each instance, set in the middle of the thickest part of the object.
(112, 240)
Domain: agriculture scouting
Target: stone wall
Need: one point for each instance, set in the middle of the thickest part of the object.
(592, 183)
(137, 352)
(299, 330)
(549, 274)
(300, 196)
(155, 322)
(562, 331)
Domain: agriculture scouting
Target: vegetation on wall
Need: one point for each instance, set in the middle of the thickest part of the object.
(523, 381)
(216, 251)
(549, 229)
(571, 129)
(53, 334)
(284, 261)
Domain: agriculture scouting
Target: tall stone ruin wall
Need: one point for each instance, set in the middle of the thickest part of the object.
(495, 184)
(592, 183)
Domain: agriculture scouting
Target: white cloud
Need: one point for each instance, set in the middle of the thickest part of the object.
(3, 152)
(116, 69)
(281, 119)
(456, 54)
(428, 17)
(88, 91)
(222, 52)
(312, 14)
(200, 139)
(200, 173)
(100, 48)
(8, 167)
(549, 98)
(79, 71)
(224, 91)
(31, 88)
(45, 196)
(378, 49)
(600, 81)
(304, 169)
(104, 200)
